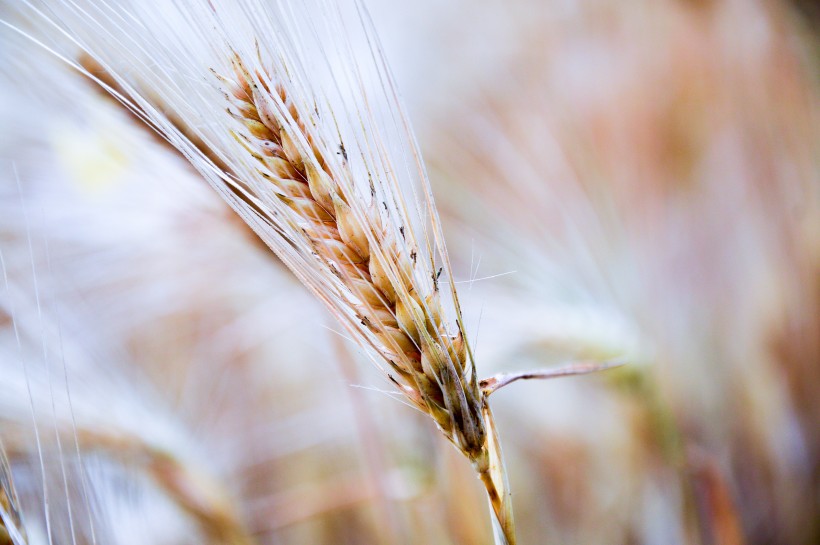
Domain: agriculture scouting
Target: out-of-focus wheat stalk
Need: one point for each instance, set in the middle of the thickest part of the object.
(63, 411)
(70, 420)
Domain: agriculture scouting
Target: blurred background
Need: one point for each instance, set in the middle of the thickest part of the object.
(618, 179)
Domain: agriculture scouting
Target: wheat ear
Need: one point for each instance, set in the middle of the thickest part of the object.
(431, 366)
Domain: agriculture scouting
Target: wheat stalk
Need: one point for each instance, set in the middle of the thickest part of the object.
(432, 368)
(142, 447)
(407, 321)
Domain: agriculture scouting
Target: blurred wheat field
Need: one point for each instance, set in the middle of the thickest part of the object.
(635, 180)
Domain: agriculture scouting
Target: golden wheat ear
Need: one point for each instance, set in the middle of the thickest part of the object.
(378, 270)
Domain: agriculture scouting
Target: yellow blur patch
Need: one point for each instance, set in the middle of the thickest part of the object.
(93, 155)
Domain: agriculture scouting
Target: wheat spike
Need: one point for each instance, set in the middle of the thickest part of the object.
(436, 374)
(376, 267)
